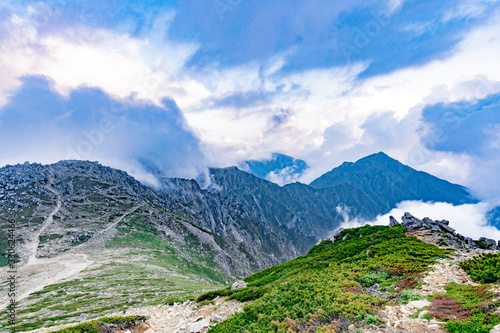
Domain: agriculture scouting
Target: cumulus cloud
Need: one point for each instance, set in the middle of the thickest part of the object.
(284, 98)
(38, 124)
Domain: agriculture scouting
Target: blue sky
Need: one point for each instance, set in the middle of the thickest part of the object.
(215, 83)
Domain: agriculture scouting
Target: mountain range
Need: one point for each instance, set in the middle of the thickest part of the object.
(251, 223)
(152, 245)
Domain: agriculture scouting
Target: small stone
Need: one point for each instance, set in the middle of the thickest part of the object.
(422, 314)
(419, 304)
(197, 326)
(239, 285)
(351, 327)
(216, 319)
(495, 329)
(130, 300)
(82, 317)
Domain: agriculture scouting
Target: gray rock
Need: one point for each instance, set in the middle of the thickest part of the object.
(216, 319)
(239, 285)
(334, 236)
(409, 219)
(422, 314)
(461, 237)
(445, 222)
(197, 326)
(392, 221)
(490, 243)
(427, 220)
(447, 228)
(82, 317)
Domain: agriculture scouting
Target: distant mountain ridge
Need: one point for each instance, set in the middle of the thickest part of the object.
(246, 222)
(389, 182)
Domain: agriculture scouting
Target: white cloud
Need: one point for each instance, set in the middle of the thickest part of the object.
(315, 100)
(469, 9)
(119, 64)
(468, 220)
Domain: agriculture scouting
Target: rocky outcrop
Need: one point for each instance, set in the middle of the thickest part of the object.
(450, 236)
(335, 235)
(239, 285)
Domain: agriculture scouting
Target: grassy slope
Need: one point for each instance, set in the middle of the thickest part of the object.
(327, 288)
(144, 269)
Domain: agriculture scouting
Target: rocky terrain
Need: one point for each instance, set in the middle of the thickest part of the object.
(412, 315)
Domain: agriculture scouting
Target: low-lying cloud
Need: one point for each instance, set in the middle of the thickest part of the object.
(469, 220)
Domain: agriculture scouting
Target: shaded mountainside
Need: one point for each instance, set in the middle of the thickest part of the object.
(244, 222)
(388, 182)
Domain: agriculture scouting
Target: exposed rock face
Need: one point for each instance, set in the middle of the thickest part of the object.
(249, 223)
(392, 221)
(450, 237)
(335, 235)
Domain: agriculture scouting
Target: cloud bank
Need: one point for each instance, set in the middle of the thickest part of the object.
(469, 220)
(38, 124)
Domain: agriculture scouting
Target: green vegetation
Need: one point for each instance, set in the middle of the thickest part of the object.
(45, 238)
(96, 325)
(473, 310)
(484, 268)
(329, 287)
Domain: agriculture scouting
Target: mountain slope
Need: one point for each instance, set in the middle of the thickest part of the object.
(389, 182)
(369, 279)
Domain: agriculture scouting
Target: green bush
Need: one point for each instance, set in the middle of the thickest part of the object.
(476, 299)
(324, 288)
(484, 268)
(95, 326)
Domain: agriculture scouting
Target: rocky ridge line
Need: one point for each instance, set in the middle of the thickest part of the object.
(448, 235)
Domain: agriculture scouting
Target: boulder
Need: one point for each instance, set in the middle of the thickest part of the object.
(447, 228)
(392, 221)
(82, 317)
(334, 236)
(198, 326)
(409, 219)
(490, 244)
(216, 319)
(239, 285)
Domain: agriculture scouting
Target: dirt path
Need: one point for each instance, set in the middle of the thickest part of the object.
(399, 318)
(34, 241)
(177, 318)
(37, 273)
